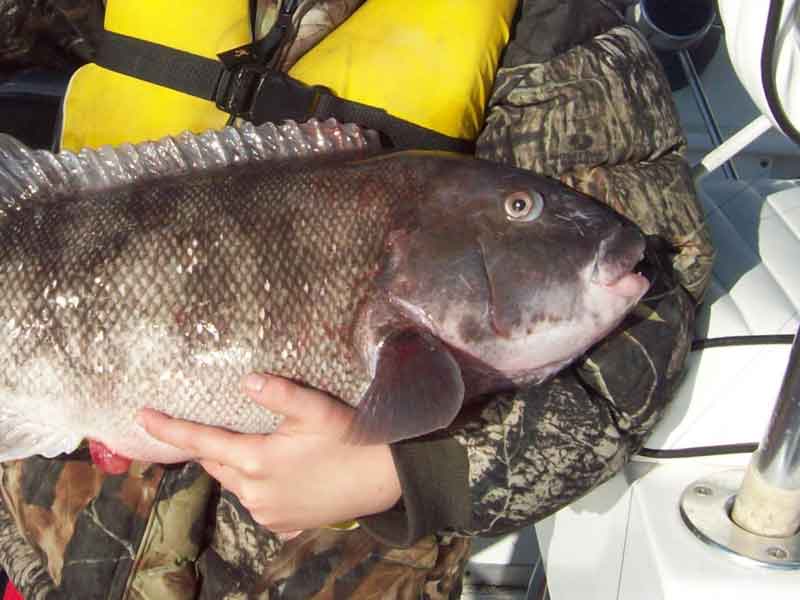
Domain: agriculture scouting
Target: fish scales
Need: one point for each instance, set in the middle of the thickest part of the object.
(172, 290)
(404, 283)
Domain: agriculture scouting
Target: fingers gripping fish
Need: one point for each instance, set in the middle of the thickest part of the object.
(406, 284)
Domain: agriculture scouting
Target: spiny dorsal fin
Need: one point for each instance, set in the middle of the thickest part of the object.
(27, 174)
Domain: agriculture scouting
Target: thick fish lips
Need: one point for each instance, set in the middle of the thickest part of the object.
(616, 261)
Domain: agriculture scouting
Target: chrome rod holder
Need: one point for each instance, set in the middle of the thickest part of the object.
(705, 507)
(755, 514)
(769, 501)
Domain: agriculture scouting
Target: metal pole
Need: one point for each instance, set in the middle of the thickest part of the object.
(768, 502)
(732, 146)
(704, 107)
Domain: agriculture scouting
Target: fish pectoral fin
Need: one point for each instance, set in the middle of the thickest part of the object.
(21, 437)
(417, 389)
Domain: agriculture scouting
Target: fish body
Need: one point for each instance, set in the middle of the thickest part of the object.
(404, 284)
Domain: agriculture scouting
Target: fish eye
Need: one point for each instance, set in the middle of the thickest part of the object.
(524, 206)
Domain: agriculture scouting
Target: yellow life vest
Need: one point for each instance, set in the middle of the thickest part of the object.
(105, 107)
(430, 63)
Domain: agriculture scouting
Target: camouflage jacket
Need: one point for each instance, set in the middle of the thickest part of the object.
(600, 117)
(55, 34)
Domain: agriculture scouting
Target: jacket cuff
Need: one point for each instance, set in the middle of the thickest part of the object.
(434, 478)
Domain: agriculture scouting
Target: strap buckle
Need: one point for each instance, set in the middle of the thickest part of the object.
(257, 94)
(248, 88)
(236, 88)
(278, 97)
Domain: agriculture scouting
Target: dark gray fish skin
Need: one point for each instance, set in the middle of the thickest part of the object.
(370, 279)
(513, 285)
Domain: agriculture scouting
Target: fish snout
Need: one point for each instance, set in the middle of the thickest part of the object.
(616, 260)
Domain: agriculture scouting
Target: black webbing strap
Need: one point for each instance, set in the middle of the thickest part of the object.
(401, 133)
(162, 65)
(243, 88)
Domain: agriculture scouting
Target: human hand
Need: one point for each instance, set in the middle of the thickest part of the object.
(301, 476)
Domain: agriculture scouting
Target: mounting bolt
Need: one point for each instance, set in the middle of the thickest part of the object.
(705, 508)
(703, 490)
(777, 553)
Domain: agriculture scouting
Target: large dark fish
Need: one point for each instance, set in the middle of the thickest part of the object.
(405, 284)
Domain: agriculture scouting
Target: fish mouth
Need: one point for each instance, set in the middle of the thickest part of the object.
(615, 265)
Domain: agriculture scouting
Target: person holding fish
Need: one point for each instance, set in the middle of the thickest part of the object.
(461, 422)
(305, 474)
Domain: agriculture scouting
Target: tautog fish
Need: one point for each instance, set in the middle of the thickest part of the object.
(405, 284)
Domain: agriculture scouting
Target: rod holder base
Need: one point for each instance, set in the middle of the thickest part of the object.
(705, 507)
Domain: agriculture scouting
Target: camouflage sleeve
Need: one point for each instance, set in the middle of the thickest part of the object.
(533, 452)
(48, 33)
(524, 455)
(599, 117)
